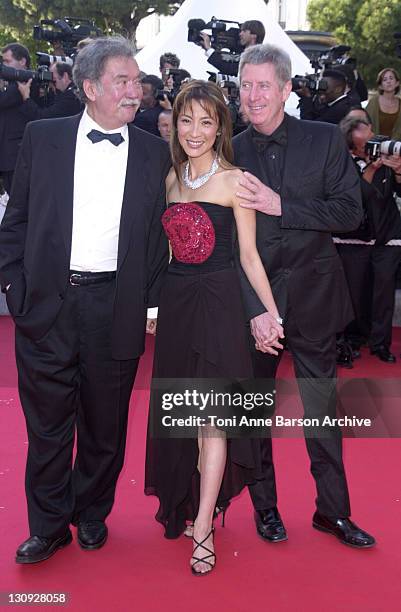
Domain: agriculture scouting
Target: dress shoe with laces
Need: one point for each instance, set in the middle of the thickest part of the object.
(270, 526)
(38, 548)
(92, 534)
(344, 529)
(383, 353)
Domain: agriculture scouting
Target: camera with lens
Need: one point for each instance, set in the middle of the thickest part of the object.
(179, 76)
(221, 37)
(226, 82)
(41, 75)
(381, 145)
(314, 82)
(68, 31)
(335, 56)
(45, 59)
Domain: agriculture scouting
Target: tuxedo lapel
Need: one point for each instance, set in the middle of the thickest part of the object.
(63, 161)
(134, 194)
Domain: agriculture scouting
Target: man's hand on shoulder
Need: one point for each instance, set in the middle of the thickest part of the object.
(255, 194)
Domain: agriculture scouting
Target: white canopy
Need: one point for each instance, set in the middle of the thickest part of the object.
(174, 37)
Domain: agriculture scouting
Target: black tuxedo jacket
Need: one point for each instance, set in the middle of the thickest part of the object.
(36, 232)
(320, 194)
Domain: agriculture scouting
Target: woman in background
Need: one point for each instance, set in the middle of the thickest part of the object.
(384, 107)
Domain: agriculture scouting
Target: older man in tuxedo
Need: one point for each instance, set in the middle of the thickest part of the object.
(302, 183)
(82, 254)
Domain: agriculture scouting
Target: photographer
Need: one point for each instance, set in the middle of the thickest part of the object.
(66, 103)
(331, 104)
(251, 33)
(167, 62)
(379, 179)
(151, 107)
(12, 122)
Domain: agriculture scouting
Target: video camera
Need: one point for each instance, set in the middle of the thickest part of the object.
(335, 56)
(221, 37)
(41, 75)
(381, 145)
(68, 31)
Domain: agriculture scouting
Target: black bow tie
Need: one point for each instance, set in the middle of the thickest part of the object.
(96, 136)
(261, 141)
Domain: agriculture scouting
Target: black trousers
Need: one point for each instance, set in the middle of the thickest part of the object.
(356, 260)
(68, 382)
(315, 369)
(385, 262)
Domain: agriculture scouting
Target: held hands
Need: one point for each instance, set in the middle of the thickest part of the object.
(151, 325)
(267, 331)
(258, 196)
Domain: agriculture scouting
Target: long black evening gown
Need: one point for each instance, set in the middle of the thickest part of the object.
(200, 333)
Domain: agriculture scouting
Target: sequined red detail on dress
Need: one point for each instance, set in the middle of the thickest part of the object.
(190, 231)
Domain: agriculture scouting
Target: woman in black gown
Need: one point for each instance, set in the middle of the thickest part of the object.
(201, 328)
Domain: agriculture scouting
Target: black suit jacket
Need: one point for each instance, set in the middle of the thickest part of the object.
(320, 194)
(329, 114)
(225, 66)
(12, 125)
(36, 232)
(66, 104)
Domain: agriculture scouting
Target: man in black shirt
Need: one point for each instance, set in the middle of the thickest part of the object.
(330, 105)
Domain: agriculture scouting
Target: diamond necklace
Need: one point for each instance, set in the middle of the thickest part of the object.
(201, 180)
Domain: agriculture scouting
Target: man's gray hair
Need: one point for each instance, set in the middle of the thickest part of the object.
(91, 60)
(268, 54)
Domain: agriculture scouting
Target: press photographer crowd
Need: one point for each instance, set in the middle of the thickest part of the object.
(332, 93)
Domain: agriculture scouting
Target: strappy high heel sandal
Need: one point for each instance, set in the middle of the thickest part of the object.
(206, 559)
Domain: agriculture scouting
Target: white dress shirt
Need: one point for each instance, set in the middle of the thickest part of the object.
(99, 181)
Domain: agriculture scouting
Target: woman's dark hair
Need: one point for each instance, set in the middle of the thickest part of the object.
(211, 99)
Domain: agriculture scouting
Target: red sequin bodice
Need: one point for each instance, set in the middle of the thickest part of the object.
(190, 231)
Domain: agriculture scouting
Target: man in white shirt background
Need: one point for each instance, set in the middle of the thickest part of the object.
(82, 255)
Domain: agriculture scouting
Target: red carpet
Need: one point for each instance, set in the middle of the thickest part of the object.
(139, 570)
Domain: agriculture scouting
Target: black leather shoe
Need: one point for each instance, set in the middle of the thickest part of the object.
(38, 548)
(344, 356)
(345, 530)
(92, 534)
(270, 526)
(384, 354)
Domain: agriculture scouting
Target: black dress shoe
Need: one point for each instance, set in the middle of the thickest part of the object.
(38, 548)
(270, 526)
(344, 529)
(92, 534)
(384, 354)
(344, 355)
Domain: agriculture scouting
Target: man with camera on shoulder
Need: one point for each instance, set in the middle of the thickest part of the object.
(251, 33)
(12, 122)
(66, 102)
(330, 104)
